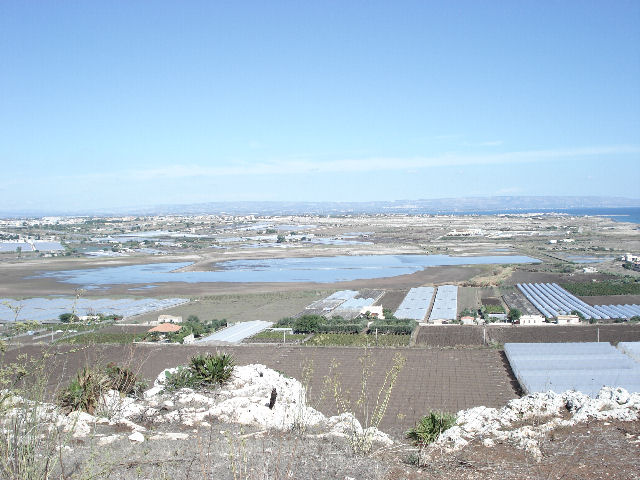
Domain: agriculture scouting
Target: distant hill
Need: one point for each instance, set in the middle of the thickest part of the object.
(438, 205)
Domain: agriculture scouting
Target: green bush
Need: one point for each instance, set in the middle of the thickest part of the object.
(202, 371)
(430, 427)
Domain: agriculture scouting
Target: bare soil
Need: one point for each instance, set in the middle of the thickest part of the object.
(612, 300)
(441, 379)
(471, 335)
(392, 299)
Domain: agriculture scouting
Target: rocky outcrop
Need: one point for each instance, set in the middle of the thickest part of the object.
(244, 399)
(524, 421)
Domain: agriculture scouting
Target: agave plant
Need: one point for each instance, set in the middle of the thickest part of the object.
(211, 369)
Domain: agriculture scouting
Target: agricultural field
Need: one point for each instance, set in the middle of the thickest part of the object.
(603, 288)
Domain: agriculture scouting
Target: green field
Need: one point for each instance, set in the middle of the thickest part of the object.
(583, 289)
(267, 335)
(358, 340)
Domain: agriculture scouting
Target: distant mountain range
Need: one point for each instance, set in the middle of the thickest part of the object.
(424, 206)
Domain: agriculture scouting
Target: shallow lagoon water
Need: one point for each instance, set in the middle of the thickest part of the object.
(313, 269)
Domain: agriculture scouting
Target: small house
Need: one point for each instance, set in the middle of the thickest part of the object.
(466, 320)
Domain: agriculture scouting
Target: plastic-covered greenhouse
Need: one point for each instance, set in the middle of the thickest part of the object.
(586, 367)
(416, 304)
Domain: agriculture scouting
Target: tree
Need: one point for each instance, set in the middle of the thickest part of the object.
(68, 317)
(281, 239)
(514, 314)
(306, 324)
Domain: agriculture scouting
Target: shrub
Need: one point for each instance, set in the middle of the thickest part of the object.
(430, 427)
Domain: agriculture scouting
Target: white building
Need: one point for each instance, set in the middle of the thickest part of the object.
(567, 319)
(631, 258)
(531, 320)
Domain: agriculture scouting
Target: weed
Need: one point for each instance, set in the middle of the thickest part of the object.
(361, 436)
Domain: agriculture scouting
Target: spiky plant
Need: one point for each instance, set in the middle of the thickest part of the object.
(211, 369)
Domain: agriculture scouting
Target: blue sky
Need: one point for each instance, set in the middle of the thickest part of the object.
(111, 104)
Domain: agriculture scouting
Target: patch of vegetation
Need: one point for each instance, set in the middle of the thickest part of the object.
(393, 326)
(203, 371)
(429, 427)
(102, 337)
(493, 308)
(270, 335)
(627, 286)
(320, 324)
(343, 340)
